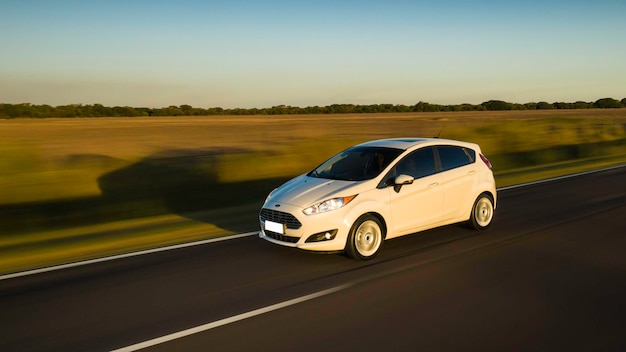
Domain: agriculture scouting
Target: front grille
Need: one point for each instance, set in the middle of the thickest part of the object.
(280, 237)
(280, 217)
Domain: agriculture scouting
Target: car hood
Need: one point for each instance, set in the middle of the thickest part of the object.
(304, 191)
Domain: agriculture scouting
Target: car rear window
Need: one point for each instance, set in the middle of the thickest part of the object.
(418, 164)
(452, 156)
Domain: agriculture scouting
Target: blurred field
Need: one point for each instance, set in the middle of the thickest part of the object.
(72, 189)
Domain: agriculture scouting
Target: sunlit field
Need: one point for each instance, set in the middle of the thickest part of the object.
(77, 188)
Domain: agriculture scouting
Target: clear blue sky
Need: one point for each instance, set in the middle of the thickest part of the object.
(261, 53)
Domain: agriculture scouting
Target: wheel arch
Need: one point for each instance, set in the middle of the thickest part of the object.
(366, 244)
(382, 221)
(472, 222)
(377, 215)
(489, 193)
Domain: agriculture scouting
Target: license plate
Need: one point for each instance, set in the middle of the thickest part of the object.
(274, 227)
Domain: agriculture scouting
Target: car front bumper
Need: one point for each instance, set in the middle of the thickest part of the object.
(309, 225)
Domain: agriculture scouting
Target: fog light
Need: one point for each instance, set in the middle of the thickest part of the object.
(322, 236)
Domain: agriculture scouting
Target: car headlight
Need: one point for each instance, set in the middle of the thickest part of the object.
(328, 205)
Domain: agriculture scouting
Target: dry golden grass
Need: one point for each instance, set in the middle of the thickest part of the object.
(79, 188)
(43, 159)
(61, 158)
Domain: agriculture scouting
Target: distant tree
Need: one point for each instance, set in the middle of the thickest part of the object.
(420, 107)
(313, 110)
(144, 111)
(366, 109)
(125, 111)
(530, 106)
(542, 105)
(72, 110)
(341, 109)
(15, 110)
(497, 105)
(214, 111)
(186, 110)
(386, 108)
(582, 105)
(98, 110)
(274, 110)
(426, 107)
(465, 107)
(607, 103)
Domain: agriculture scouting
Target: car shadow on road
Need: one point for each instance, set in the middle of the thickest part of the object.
(182, 182)
(187, 183)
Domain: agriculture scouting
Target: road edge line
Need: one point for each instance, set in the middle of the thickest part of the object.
(558, 178)
(125, 255)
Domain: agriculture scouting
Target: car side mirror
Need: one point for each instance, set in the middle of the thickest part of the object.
(402, 180)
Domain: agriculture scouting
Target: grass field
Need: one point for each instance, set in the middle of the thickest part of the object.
(72, 189)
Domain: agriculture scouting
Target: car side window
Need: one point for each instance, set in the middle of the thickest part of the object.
(452, 156)
(418, 164)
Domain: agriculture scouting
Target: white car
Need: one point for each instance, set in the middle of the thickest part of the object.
(380, 190)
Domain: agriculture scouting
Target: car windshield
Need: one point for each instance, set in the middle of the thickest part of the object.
(356, 164)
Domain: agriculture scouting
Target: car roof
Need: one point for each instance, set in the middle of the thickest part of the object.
(406, 143)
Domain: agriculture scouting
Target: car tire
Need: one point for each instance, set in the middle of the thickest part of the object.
(366, 238)
(482, 213)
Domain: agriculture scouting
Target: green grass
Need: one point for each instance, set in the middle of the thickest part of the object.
(542, 172)
(73, 189)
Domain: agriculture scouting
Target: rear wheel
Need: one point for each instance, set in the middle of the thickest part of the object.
(482, 213)
(365, 239)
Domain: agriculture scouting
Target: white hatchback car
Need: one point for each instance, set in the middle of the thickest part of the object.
(380, 190)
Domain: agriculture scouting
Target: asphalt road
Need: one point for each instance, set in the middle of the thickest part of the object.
(550, 274)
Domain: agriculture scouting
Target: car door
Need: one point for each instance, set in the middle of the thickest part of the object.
(417, 205)
(458, 180)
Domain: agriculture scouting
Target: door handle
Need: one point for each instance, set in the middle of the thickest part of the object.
(471, 172)
(433, 185)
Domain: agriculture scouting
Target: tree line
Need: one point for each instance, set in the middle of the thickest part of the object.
(98, 110)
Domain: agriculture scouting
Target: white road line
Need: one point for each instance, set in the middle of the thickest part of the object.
(126, 255)
(247, 234)
(560, 178)
(233, 319)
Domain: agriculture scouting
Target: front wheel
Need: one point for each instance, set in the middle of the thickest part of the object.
(482, 213)
(365, 239)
